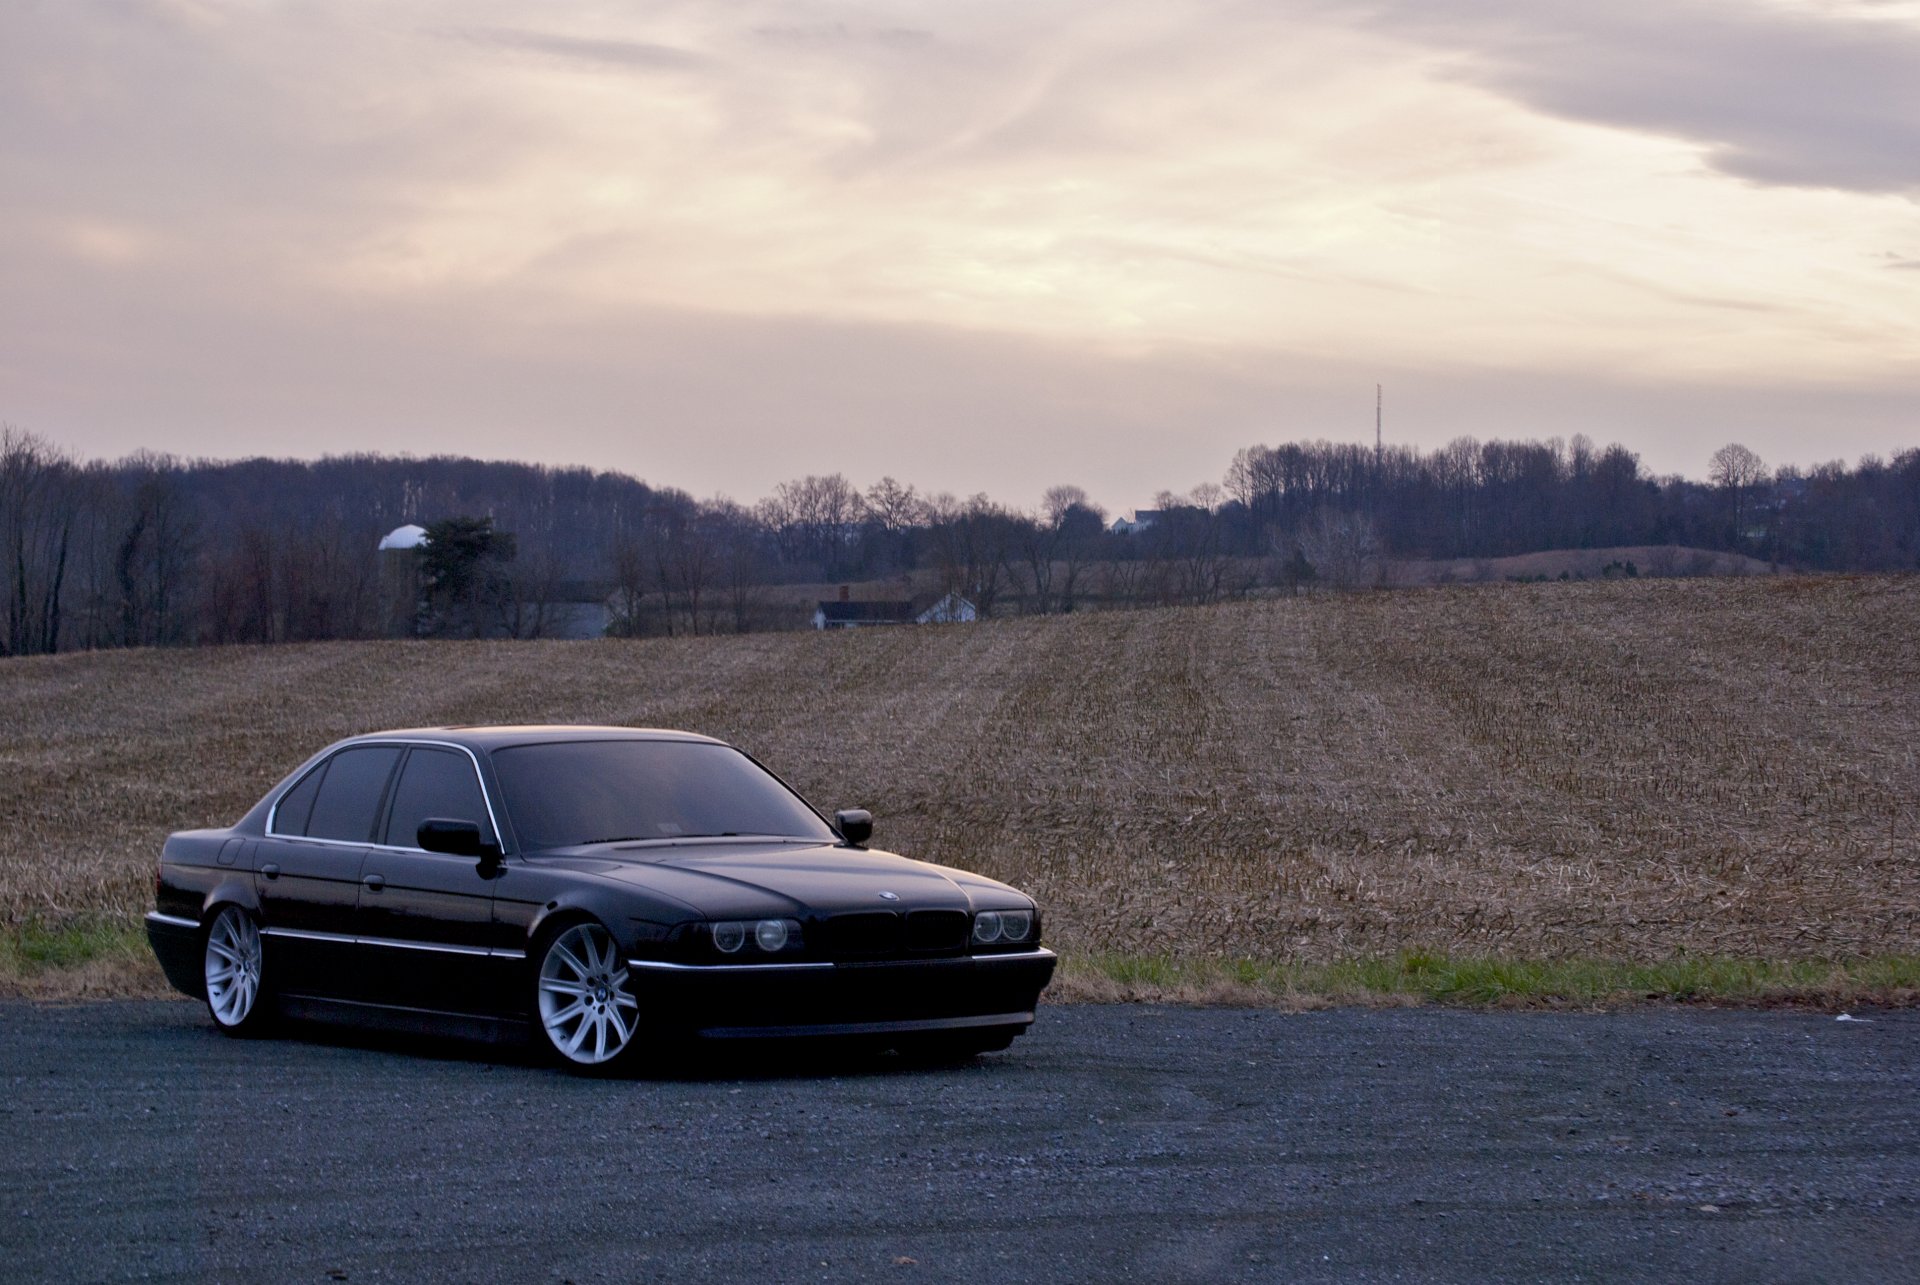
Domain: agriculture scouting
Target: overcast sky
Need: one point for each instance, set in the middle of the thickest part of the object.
(977, 245)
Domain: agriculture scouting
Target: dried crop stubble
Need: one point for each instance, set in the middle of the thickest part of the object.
(1626, 770)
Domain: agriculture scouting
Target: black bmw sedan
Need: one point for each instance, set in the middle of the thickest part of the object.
(607, 891)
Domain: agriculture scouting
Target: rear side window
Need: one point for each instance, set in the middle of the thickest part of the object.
(435, 783)
(296, 805)
(350, 793)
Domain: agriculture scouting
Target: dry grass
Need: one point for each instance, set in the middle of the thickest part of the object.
(1617, 771)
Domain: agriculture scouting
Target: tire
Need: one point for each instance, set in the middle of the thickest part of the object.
(585, 1014)
(236, 983)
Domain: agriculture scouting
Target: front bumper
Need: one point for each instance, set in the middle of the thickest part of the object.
(883, 997)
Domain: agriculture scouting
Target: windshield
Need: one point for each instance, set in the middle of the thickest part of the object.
(574, 792)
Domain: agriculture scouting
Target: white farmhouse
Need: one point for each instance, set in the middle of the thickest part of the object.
(1140, 520)
(950, 610)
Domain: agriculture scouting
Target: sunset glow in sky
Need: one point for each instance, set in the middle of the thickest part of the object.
(976, 245)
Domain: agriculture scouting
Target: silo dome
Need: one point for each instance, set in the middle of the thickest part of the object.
(404, 537)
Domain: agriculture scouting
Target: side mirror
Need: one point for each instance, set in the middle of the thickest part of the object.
(456, 838)
(854, 824)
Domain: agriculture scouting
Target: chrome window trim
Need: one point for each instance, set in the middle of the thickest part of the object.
(479, 778)
(174, 921)
(345, 939)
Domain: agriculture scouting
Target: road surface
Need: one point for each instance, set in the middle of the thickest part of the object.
(1113, 1143)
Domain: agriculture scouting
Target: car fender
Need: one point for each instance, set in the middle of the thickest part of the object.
(235, 889)
(614, 911)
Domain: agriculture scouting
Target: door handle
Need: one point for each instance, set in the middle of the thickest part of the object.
(270, 870)
(375, 882)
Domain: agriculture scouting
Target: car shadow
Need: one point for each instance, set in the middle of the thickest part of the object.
(735, 1061)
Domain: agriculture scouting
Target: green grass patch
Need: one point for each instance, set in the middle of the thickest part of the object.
(39, 946)
(1415, 976)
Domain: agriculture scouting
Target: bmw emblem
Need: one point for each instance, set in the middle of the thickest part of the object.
(889, 896)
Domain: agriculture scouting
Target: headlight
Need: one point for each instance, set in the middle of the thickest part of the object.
(1004, 927)
(771, 936)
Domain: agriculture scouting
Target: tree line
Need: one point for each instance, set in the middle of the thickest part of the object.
(155, 550)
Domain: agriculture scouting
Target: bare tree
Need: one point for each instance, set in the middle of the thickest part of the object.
(153, 558)
(1737, 472)
(1078, 524)
(893, 507)
(973, 544)
(37, 510)
(1341, 548)
(813, 520)
(738, 541)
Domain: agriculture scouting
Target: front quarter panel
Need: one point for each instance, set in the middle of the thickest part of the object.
(532, 895)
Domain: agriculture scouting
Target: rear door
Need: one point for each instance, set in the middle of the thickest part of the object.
(425, 920)
(308, 868)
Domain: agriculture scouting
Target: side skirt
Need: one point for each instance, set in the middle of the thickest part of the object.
(406, 1021)
(910, 1026)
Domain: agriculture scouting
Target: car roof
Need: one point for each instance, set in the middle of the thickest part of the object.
(500, 736)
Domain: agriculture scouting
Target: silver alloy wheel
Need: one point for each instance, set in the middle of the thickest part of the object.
(233, 967)
(585, 1006)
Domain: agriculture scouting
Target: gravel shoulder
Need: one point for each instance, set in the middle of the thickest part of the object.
(1115, 1142)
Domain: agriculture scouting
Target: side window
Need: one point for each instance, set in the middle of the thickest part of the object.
(296, 805)
(435, 783)
(349, 797)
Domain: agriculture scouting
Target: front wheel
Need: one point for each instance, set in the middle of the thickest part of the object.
(588, 1016)
(235, 974)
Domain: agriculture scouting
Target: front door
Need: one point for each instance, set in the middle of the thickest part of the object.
(425, 919)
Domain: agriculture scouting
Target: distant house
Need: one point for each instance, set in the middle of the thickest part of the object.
(847, 613)
(1140, 521)
(950, 610)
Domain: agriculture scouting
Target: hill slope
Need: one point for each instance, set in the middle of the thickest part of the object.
(1623, 770)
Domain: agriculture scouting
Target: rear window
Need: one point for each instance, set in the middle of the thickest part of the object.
(296, 805)
(350, 793)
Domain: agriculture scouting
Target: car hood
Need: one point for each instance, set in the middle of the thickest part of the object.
(726, 880)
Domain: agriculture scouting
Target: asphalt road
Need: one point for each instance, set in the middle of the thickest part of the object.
(1158, 1144)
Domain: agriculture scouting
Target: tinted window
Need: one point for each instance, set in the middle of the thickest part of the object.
(350, 795)
(435, 783)
(290, 814)
(598, 791)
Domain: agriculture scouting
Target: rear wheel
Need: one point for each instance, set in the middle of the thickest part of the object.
(587, 1014)
(235, 973)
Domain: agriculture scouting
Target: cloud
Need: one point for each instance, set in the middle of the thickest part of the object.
(1103, 241)
(635, 55)
(1775, 96)
(840, 33)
